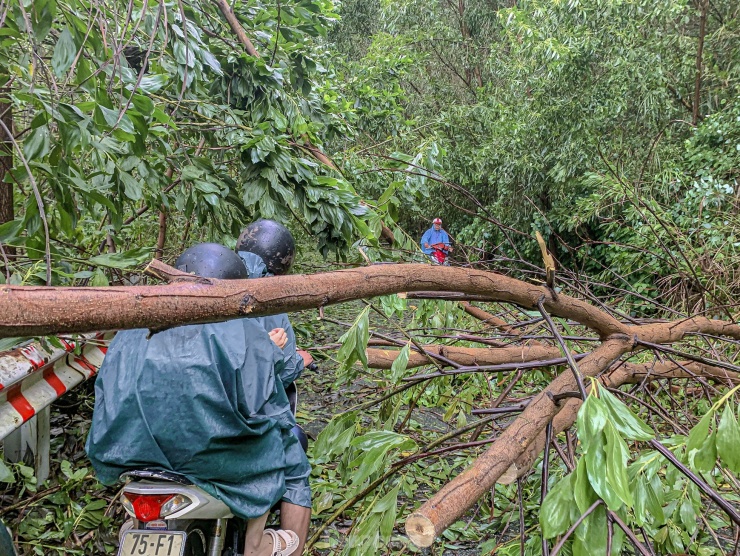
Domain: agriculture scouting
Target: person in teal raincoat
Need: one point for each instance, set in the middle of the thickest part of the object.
(267, 248)
(202, 400)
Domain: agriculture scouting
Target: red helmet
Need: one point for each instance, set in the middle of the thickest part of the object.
(437, 221)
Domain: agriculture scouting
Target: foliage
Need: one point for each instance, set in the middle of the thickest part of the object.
(166, 110)
(571, 118)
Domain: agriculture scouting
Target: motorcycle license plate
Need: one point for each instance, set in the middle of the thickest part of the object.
(152, 543)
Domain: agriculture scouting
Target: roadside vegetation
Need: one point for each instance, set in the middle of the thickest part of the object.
(131, 130)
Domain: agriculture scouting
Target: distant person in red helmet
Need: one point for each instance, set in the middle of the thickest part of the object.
(435, 243)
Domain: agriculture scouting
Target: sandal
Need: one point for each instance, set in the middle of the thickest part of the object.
(289, 538)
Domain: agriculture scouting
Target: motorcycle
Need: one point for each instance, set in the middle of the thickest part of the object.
(170, 516)
(440, 251)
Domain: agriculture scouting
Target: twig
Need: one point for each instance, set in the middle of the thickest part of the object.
(39, 200)
(627, 531)
(545, 475)
(571, 361)
(573, 527)
(704, 487)
(521, 515)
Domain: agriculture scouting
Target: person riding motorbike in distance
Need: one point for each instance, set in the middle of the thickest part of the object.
(267, 248)
(435, 243)
(204, 401)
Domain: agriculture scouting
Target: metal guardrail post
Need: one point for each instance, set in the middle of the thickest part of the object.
(30, 444)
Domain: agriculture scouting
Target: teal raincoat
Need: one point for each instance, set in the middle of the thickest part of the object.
(293, 361)
(200, 400)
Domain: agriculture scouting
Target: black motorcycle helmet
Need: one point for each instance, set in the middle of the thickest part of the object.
(272, 241)
(212, 260)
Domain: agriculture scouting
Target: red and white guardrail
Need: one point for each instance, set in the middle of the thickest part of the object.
(33, 376)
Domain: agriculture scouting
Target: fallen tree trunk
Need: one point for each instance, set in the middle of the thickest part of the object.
(447, 505)
(384, 358)
(39, 311)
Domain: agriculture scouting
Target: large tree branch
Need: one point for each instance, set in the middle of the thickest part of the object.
(38, 311)
(623, 373)
(446, 506)
(236, 27)
(384, 358)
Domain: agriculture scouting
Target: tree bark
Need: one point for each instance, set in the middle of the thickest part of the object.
(384, 358)
(162, 236)
(38, 311)
(445, 296)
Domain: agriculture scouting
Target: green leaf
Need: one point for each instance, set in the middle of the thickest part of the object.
(628, 424)
(655, 500)
(36, 144)
(363, 336)
(398, 368)
(639, 506)
(354, 342)
(112, 119)
(125, 259)
(143, 104)
(190, 172)
(555, 510)
(335, 437)
(10, 231)
(583, 493)
(617, 455)
(6, 475)
(212, 62)
(64, 53)
(728, 439)
(590, 535)
(131, 186)
(368, 463)
(99, 279)
(700, 446)
(592, 417)
(688, 515)
(383, 439)
(596, 466)
(153, 83)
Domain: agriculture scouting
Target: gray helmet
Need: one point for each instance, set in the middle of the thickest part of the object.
(272, 241)
(212, 260)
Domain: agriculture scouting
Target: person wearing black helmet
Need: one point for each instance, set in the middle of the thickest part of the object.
(267, 248)
(202, 400)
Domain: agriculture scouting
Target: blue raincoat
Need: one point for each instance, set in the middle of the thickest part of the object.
(432, 236)
(201, 400)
